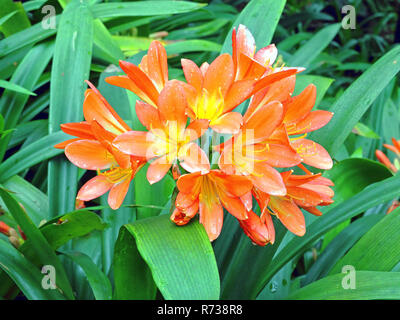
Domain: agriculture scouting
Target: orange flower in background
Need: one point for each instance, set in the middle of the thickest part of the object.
(385, 160)
(93, 150)
(208, 194)
(149, 78)
(4, 228)
(303, 191)
(168, 139)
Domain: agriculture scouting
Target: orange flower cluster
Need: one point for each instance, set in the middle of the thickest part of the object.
(271, 134)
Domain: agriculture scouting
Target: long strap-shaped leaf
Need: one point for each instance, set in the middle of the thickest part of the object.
(71, 64)
(26, 276)
(378, 249)
(356, 100)
(371, 196)
(369, 285)
(180, 259)
(143, 8)
(41, 247)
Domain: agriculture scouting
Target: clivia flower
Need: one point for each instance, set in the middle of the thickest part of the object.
(394, 167)
(93, 150)
(271, 134)
(303, 191)
(208, 194)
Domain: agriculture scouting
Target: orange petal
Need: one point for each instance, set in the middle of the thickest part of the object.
(157, 64)
(136, 143)
(158, 169)
(184, 200)
(244, 41)
(237, 93)
(301, 105)
(267, 220)
(229, 123)
(89, 154)
(189, 183)
(264, 121)
(267, 179)
(63, 144)
(304, 197)
(117, 194)
(140, 80)
(273, 77)
(172, 103)
(196, 129)
(234, 184)
(255, 229)
(289, 214)
(313, 121)
(247, 200)
(95, 109)
(313, 154)
(193, 74)
(219, 75)
(194, 159)
(233, 205)
(211, 217)
(313, 211)
(249, 69)
(267, 55)
(281, 156)
(94, 188)
(127, 83)
(78, 129)
(278, 91)
(148, 115)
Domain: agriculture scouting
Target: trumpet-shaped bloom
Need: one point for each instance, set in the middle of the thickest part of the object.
(93, 150)
(258, 231)
(208, 194)
(303, 191)
(298, 120)
(253, 154)
(168, 139)
(149, 78)
(213, 92)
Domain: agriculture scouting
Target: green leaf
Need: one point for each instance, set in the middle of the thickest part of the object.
(143, 8)
(350, 177)
(371, 196)
(369, 286)
(25, 275)
(105, 46)
(35, 153)
(365, 131)
(378, 249)
(261, 18)
(355, 101)
(33, 200)
(24, 38)
(181, 259)
(343, 241)
(26, 75)
(132, 277)
(98, 281)
(17, 21)
(71, 64)
(313, 47)
(41, 247)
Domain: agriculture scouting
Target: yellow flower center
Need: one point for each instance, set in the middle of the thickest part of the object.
(116, 174)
